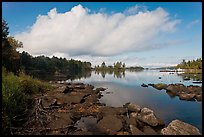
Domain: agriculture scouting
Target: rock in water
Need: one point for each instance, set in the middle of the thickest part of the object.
(185, 96)
(144, 85)
(178, 127)
(147, 116)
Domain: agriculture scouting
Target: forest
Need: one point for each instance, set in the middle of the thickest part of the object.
(190, 64)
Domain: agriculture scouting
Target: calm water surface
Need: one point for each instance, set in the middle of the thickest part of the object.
(127, 88)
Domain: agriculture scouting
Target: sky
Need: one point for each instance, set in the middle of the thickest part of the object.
(147, 34)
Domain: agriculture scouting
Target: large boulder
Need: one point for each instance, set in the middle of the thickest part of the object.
(109, 124)
(147, 116)
(177, 127)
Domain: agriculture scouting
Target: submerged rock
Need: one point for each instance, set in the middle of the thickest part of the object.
(177, 127)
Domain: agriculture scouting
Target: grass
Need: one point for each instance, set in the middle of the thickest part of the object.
(17, 94)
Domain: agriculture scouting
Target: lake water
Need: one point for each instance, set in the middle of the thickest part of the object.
(127, 88)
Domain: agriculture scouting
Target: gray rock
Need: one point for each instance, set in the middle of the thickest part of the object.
(135, 131)
(133, 108)
(109, 124)
(177, 127)
(147, 116)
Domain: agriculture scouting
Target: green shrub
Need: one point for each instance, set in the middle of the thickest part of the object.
(17, 95)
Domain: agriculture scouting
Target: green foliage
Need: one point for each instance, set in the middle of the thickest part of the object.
(118, 66)
(5, 30)
(53, 65)
(10, 56)
(138, 68)
(17, 95)
(193, 64)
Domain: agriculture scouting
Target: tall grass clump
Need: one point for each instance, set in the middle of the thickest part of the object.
(17, 98)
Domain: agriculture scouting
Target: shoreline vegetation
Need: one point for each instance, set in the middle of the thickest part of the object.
(28, 103)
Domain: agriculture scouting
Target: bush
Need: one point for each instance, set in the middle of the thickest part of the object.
(17, 95)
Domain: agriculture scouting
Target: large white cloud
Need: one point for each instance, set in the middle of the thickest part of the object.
(80, 32)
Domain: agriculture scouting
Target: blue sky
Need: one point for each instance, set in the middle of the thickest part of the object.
(180, 36)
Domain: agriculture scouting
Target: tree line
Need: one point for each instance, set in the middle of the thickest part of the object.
(190, 64)
(116, 66)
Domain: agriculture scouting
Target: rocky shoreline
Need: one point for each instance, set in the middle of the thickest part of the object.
(74, 109)
(188, 93)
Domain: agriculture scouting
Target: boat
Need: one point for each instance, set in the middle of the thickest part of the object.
(197, 82)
